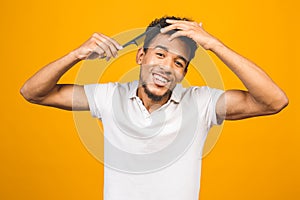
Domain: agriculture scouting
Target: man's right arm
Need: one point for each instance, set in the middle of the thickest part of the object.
(42, 87)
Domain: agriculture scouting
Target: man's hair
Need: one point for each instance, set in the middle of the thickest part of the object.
(159, 23)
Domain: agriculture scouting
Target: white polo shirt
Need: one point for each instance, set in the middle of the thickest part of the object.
(152, 156)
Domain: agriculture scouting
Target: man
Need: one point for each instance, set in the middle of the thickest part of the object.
(159, 126)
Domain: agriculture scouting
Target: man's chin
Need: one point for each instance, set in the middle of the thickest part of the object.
(156, 94)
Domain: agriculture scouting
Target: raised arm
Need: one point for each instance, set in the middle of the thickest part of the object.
(263, 96)
(42, 87)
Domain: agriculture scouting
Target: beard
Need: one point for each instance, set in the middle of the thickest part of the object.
(155, 97)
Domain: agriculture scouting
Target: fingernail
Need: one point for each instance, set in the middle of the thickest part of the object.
(120, 47)
(162, 30)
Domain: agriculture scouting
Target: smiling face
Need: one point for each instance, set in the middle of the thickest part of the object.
(163, 65)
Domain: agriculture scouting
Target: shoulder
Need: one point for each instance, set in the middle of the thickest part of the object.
(201, 91)
(110, 87)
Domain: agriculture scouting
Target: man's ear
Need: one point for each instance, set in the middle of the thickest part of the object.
(140, 55)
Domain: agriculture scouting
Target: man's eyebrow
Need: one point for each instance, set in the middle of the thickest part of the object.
(166, 49)
(162, 47)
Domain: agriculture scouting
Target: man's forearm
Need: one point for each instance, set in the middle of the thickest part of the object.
(42, 82)
(260, 86)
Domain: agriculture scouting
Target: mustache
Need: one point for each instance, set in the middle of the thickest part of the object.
(160, 69)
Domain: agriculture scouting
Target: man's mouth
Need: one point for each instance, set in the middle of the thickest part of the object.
(160, 80)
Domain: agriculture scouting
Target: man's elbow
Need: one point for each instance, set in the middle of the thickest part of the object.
(278, 104)
(25, 92)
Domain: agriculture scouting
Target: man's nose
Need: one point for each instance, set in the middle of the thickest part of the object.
(166, 64)
(168, 61)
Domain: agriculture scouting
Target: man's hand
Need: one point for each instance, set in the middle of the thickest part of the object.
(192, 30)
(98, 46)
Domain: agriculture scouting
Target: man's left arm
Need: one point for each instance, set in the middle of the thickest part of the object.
(263, 96)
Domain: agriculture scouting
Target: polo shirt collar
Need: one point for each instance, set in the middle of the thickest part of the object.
(176, 94)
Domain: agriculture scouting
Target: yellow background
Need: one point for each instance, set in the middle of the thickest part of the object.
(41, 154)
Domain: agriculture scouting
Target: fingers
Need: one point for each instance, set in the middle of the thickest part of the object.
(185, 28)
(103, 46)
(114, 42)
(179, 24)
(108, 46)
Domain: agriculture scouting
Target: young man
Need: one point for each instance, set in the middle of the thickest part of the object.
(157, 126)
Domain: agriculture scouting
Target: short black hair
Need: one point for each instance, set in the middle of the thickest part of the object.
(161, 23)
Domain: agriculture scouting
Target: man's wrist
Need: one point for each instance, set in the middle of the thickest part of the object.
(74, 56)
(213, 45)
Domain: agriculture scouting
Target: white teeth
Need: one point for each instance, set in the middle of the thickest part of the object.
(160, 78)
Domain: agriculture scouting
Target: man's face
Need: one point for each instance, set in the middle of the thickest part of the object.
(163, 65)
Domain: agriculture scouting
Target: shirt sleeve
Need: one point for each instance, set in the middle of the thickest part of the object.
(214, 95)
(98, 96)
(207, 99)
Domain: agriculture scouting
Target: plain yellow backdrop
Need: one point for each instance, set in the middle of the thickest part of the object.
(41, 154)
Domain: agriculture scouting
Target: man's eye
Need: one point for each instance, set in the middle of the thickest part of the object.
(160, 54)
(179, 64)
